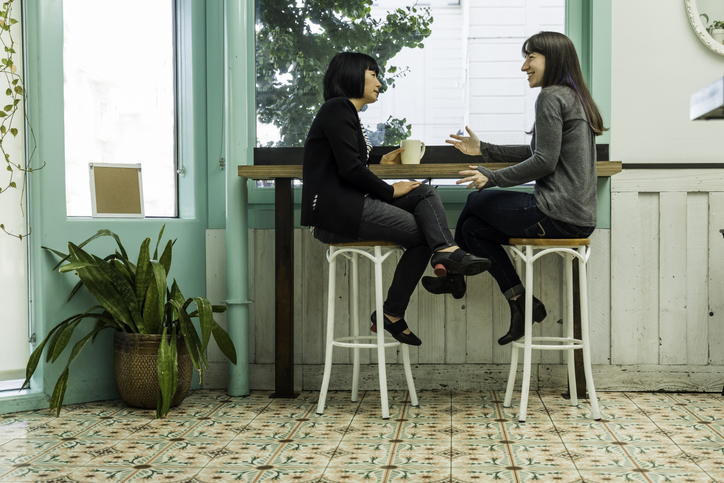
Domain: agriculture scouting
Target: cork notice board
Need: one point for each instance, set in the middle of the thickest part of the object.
(116, 190)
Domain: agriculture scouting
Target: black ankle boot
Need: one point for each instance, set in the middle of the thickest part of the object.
(517, 318)
(452, 284)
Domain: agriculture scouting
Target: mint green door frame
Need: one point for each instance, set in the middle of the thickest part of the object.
(91, 375)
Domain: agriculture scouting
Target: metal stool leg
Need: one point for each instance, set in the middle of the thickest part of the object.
(585, 336)
(408, 375)
(355, 325)
(528, 337)
(330, 332)
(511, 377)
(381, 334)
(570, 353)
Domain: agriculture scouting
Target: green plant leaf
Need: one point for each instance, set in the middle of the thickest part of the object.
(206, 320)
(121, 267)
(143, 273)
(166, 256)
(56, 400)
(176, 294)
(153, 309)
(191, 339)
(75, 289)
(62, 340)
(226, 345)
(164, 370)
(100, 286)
(73, 266)
(51, 347)
(34, 358)
(125, 289)
(158, 240)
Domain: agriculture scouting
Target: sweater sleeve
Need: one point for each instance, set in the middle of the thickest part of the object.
(548, 133)
(341, 127)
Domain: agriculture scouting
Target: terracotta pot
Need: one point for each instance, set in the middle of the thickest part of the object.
(134, 369)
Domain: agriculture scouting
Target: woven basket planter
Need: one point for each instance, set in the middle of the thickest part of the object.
(135, 372)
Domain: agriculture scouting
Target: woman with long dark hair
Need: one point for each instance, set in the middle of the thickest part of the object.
(561, 160)
(343, 201)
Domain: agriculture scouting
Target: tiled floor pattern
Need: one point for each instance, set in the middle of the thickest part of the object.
(451, 437)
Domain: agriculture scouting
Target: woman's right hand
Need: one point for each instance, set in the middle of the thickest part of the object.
(469, 145)
(404, 187)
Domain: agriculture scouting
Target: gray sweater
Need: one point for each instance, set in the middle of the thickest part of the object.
(561, 159)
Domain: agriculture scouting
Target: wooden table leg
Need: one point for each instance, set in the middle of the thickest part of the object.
(284, 289)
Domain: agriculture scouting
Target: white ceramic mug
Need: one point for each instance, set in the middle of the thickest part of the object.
(414, 151)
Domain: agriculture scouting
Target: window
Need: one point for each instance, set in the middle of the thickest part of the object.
(119, 97)
(460, 66)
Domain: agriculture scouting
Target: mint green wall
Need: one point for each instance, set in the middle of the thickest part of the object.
(214, 100)
(91, 376)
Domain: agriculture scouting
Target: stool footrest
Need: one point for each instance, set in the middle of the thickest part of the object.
(350, 342)
(570, 343)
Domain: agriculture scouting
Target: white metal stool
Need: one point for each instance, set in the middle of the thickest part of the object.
(528, 250)
(352, 251)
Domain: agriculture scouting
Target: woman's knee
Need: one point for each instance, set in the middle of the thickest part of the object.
(426, 190)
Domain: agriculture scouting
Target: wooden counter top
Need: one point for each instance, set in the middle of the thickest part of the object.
(604, 169)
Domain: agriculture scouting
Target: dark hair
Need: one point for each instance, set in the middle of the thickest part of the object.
(345, 76)
(563, 69)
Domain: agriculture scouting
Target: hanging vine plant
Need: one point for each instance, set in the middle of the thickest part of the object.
(12, 111)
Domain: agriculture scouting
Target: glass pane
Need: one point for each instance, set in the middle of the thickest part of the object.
(119, 97)
(445, 65)
(14, 345)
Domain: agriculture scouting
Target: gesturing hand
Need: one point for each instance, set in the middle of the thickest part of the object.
(404, 187)
(474, 177)
(393, 157)
(469, 145)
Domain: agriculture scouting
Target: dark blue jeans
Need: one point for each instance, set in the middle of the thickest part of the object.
(415, 221)
(491, 217)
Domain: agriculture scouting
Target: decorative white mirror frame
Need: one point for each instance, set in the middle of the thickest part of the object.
(701, 32)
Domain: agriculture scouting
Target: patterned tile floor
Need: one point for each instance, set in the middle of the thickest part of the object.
(453, 436)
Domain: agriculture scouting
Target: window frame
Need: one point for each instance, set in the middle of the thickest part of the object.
(587, 23)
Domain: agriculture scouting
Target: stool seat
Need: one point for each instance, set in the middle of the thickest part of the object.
(372, 250)
(550, 242)
(526, 251)
(365, 244)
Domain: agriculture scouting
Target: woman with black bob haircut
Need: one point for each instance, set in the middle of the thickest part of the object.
(561, 159)
(343, 201)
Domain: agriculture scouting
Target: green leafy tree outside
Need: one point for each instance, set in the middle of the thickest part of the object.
(295, 40)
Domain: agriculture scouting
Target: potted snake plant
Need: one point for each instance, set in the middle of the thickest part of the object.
(155, 342)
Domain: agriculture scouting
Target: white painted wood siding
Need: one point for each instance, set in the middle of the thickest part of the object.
(667, 267)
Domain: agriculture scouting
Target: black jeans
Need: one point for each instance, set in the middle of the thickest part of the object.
(491, 217)
(415, 221)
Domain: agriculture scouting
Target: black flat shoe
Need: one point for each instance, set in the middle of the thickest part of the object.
(458, 262)
(517, 318)
(396, 330)
(452, 284)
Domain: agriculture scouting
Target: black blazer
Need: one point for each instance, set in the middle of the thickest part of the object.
(336, 171)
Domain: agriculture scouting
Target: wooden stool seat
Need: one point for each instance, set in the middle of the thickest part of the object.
(373, 250)
(550, 242)
(526, 251)
(365, 244)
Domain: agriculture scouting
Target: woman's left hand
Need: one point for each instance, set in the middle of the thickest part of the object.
(393, 157)
(474, 177)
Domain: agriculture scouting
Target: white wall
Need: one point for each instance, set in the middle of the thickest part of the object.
(657, 63)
